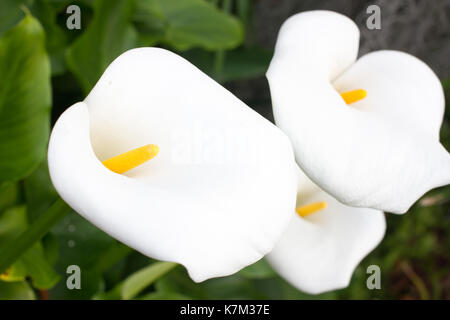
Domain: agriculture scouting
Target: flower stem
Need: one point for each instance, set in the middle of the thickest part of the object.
(14, 249)
(138, 281)
(220, 55)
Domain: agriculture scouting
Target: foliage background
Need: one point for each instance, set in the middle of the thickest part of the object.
(45, 68)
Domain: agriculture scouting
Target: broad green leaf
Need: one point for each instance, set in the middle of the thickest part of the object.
(12, 222)
(141, 279)
(39, 191)
(37, 268)
(25, 99)
(185, 24)
(165, 289)
(9, 195)
(51, 248)
(113, 263)
(137, 281)
(32, 263)
(16, 291)
(109, 34)
(11, 12)
(116, 252)
(81, 243)
(56, 38)
(95, 277)
(166, 284)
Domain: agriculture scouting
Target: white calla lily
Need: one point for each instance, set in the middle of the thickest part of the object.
(219, 193)
(381, 152)
(320, 251)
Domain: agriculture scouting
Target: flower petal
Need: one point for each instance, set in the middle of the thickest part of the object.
(215, 208)
(381, 152)
(318, 44)
(320, 252)
(400, 87)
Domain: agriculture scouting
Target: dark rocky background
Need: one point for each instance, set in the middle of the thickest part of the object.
(419, 27)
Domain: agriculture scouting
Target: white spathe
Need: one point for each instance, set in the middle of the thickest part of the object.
(219, 193)
(381, 152)
(319, 253)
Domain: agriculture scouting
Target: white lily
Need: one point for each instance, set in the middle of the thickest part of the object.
(383, 150)
(219, 193)
(325, 240)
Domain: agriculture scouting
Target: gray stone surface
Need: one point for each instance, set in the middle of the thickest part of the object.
(419, 27)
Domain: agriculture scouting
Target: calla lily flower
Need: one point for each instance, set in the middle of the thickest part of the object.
(219, 188)
(367, 130)
(325, 240)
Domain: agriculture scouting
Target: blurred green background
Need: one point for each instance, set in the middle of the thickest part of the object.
(45, 68)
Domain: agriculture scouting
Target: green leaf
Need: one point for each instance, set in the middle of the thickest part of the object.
(231, 287)
(165, 289)
(12, 249)
(116, 252)
(141, 279)
(25, 99)
(51, 248)
(12, 222)
(164, 296)
(10, 13)
(39, 191)
(185, 24)
(33, 262)
(57, 38)
(37, 268)
(16, 291)
(81, 243)
(109, 34)
(258, 270)
(9, 195)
